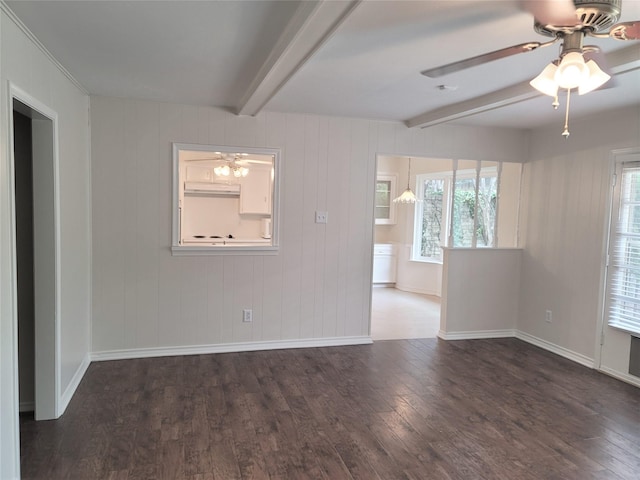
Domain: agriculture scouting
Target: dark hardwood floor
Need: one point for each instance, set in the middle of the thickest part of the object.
(397, 409)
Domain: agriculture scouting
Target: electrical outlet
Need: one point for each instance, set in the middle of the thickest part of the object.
(247, 315)
(322, 217)
(548, 317)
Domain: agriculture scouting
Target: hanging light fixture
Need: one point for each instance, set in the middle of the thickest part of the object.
(231, 167)
(570, 71)
(407, 196)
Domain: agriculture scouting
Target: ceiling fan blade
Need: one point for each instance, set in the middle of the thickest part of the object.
(552, 12)
(480, 59)
(626, 31)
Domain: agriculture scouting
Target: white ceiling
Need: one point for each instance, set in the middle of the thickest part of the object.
(345, 58)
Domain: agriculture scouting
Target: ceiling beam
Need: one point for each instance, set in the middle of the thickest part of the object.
(619, 61)
(312, 25)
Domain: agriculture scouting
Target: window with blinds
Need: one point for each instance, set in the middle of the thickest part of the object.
(624, 252)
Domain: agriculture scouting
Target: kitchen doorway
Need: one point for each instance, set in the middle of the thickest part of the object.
(405, 297)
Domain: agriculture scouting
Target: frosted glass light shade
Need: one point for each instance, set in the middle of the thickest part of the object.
(546, 82)
(572, 71)
(596, 78)
(407, 197)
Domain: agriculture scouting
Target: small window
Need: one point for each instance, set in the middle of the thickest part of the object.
(225, 200)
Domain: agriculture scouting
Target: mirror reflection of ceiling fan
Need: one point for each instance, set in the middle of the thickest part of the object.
(569, 22)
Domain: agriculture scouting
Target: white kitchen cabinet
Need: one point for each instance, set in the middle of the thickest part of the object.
(255, 192)
(384, 263)
(385, 209)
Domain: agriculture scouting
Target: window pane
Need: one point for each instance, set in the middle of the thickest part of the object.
(431, 218)
(382, 212)
(487, 196)
(624, 282)
(463, 212)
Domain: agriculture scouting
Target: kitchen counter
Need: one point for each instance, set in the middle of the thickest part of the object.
(233, 242)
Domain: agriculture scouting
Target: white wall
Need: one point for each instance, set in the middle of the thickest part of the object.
(480, 289)
(565, 191)
(30, 69)
(318, 286)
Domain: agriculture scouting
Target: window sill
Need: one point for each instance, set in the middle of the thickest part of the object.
(203, 251)
(426, 260)
(625, 329)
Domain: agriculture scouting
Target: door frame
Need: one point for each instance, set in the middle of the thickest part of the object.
(615, 158)
(47, 255)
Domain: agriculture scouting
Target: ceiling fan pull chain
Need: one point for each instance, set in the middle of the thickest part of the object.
(566, 133)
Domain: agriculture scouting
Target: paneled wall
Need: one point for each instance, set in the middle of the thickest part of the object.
(317, 287)
(565, 203)
(29, 68)
(480, 289)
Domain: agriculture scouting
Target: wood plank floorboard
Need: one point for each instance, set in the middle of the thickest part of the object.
(397, 409)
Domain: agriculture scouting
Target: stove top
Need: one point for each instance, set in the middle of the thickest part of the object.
(212, 236)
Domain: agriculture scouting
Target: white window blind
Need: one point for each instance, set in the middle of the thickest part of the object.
(624, 275)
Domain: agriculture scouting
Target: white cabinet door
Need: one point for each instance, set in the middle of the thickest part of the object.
(255, 192)
(384, 264)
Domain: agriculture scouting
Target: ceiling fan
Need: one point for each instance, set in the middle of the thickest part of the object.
(569, 22)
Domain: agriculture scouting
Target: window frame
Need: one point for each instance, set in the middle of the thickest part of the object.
(446, 232)
(612, 262)
(177, 249)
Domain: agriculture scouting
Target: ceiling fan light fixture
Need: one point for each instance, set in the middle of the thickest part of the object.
(546, 82)
(222, 170)
(572, 71)
(596, 78)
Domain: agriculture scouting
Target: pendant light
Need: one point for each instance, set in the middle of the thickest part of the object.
(407, 196)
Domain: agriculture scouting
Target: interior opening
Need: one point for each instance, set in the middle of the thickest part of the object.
(406, 294)
(23, 171)
(444, 204)
(34, 165)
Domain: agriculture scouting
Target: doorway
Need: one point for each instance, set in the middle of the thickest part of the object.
(36, 254)
(409, 306)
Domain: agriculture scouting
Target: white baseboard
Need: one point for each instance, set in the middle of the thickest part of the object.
(552, 347)
(474, 335)
(421, 291)
(227, 348)
(27, 407)
(625, 377)
(65, 398)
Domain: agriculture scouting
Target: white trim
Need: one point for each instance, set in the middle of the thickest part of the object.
(632, 379)
(553, 348)
(421, 291)
(64, 400)
(273, 247)
(227, 348)
(16, 93)
(14, 18)
(27, 407)
(476, 335)
(11, 288)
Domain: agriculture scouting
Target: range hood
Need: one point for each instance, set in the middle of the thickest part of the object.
(203, 188)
